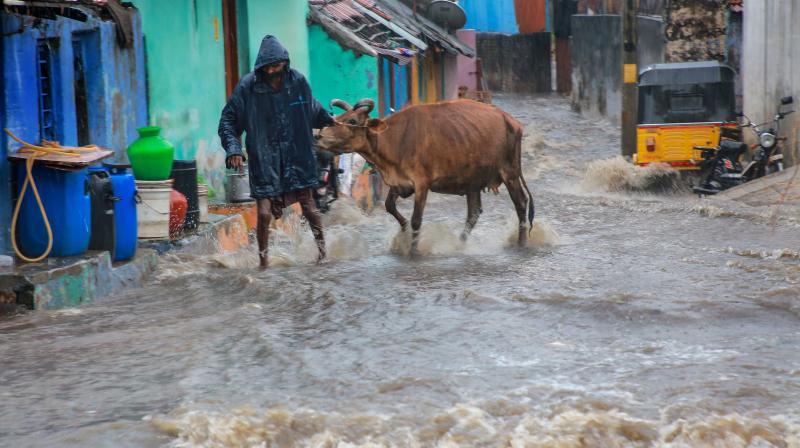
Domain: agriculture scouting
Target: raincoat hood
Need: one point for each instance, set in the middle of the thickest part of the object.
(271, 51)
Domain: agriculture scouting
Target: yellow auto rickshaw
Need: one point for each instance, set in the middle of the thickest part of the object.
(683, 106)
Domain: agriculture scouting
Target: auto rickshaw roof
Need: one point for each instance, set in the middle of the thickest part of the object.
(705, 72)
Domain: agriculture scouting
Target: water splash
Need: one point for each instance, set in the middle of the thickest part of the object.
(617, 174)
(436, 238)
(347, 244)
(777, 254)
(543, 235)
(492, 423)
(345, 211)
(444, 238)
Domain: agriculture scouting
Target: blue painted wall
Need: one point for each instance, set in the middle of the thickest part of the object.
(401, 76)
(401, 97)
(492, 16)
(5, 180)
(115, 78)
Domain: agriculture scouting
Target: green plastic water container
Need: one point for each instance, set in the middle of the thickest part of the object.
(151, 155)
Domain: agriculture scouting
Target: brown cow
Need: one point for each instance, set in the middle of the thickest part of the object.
(455, 147)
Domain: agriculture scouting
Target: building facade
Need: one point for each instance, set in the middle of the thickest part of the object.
(70, 75)
(196, 52)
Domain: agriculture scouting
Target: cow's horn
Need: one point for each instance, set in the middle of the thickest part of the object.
(367, 103)
(341, 104)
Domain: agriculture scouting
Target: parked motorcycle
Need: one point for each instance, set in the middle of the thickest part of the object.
(327, 192)
(722, 167)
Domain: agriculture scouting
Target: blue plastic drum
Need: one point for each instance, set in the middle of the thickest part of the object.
(65, 197)
(124, 211)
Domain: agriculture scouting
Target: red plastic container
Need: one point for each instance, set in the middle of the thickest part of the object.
(178, 205)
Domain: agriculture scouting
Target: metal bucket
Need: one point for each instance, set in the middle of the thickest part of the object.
(239, 186)
(202, 200)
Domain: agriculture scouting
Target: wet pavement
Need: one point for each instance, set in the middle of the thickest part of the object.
(631, 320)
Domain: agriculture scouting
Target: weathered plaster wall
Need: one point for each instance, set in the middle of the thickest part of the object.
(450, 77)
(695, 30)
(340, 73)
(186, 78)
(285, 20)
(519, 63)
(771, 63)
(465, 66)
(597, 63)
(115, 79)
(704, 30)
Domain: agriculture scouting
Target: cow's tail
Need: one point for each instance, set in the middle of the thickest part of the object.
(531, 206)
(518, 156)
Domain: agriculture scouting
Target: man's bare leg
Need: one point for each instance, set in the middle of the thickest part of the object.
(262, 231)
(314, 218)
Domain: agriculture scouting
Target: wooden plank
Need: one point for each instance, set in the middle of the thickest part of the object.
(65, 162)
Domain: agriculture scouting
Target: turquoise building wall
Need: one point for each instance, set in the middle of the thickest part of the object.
(284, 19)
(186, 66)
(340, 73)
(186, 78)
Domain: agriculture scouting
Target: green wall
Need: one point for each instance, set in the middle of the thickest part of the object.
(186, 77)
(186, 66)
(340, 73)
(284, 19)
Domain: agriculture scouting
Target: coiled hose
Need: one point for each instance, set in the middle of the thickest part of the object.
(35, 152)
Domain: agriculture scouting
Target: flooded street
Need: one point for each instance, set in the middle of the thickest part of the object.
(631, 320)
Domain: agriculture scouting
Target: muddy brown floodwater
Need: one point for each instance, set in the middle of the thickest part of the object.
(631, 320)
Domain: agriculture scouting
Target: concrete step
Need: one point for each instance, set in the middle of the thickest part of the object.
(779, 188)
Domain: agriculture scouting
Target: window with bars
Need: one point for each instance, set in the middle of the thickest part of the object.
(81, 92)
(45, 67)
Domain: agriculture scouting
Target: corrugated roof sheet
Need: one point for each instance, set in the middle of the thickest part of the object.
(51, 2)
(121, 14)
(385, 27)
(424, 27)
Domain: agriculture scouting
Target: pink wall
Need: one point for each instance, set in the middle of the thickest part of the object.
(450, 77)
(465, 67)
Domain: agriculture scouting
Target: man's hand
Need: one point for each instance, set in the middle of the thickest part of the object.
(235, 163)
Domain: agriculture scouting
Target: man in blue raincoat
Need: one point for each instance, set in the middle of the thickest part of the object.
(274, 107)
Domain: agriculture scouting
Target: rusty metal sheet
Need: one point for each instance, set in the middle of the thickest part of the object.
(531, 15)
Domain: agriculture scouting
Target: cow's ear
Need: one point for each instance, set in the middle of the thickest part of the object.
(377, 126)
